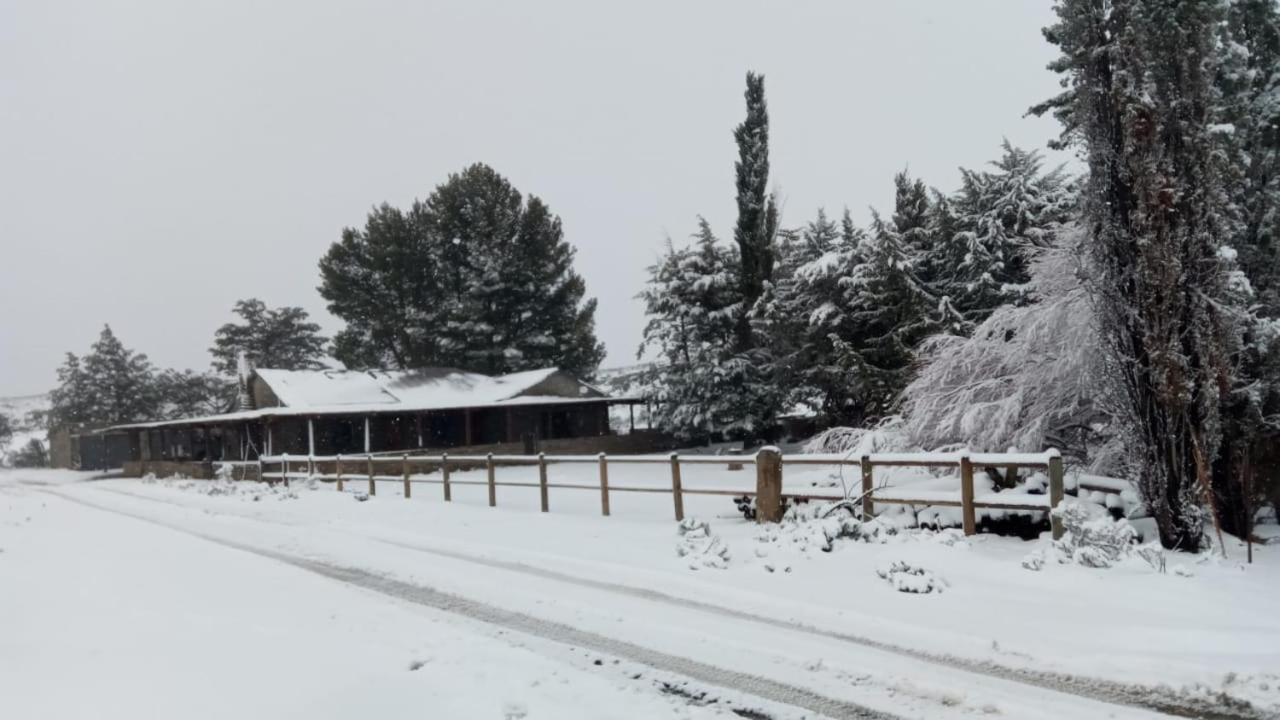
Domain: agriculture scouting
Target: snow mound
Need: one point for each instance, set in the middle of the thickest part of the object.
(908, 578)
(699, 546)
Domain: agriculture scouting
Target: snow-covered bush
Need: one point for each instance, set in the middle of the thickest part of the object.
(1034, 560)
(1094, 539)
(699, 546)
(887, 436)
(908, 578)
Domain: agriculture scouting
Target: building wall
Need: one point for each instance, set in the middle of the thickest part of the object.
(60, 449)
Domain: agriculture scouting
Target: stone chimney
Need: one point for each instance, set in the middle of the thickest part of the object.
(244, 398)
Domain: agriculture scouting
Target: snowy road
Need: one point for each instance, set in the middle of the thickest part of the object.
(617, 650)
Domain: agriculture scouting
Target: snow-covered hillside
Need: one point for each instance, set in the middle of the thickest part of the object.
(24, 412)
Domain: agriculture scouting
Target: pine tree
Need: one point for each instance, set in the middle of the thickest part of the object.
(280, 338)
(474, 277)
(71, 402)
(890, 308)
(1140, 99)
(806, 318)
(122, 381)
(693, 302)
(187, 393)
(998, 217)
(109, 386)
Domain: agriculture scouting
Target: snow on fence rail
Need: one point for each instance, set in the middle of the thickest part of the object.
(768, 492)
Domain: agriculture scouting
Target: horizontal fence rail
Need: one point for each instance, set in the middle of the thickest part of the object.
(372, 469)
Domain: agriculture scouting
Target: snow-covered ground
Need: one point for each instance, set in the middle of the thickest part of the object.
(208, 599)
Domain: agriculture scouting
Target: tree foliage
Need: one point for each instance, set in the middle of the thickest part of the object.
(31, 455)
(475, 277)
(1142, 102)
(110, 385)
(281, 338)
(1025, 378)
(187, 393)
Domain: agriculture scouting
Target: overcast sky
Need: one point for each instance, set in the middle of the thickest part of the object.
(160, 160)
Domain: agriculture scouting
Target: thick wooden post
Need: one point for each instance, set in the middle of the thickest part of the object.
(676, 493)
(604, 485)
(444, 476)
(260, 477)
(367, 447)
(1056, 492)
(768, 485)
(493, 487)
(373, 487)
(631, 410)
(284, 470)
(338, 470)
(966, 496)
(405, 458)
(542, 481)
(868, 506)
(311, 437)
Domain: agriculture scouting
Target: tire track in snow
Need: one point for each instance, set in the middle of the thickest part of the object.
(1160, 700)
(1107, 691)
(745, 683)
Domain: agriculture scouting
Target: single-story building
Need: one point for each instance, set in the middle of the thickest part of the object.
(332, 412)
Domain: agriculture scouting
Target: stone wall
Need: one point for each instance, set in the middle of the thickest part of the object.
(170, 468)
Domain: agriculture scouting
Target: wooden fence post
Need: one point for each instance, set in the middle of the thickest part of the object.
(768, 485)
(260, 477)
(966, 496)
(373, 488)
(542, 480)
(493, 487)
(338, 470)
(1056, 492)
(405, 459)
(604, 485)
(868, 507)
(676, 492)
(444, 476)
(284, 470)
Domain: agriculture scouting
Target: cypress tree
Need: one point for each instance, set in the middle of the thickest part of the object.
(1140, 98)
(757, 212)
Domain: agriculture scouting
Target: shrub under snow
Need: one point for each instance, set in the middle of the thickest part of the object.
(908, 578)
(699, 546)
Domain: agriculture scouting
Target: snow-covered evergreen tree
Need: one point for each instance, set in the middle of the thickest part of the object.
(282, 338)
(693, 301)
(110, 385)
(757, 213)
(986, 231)
(1140, 100)
(476, 277)
(804, 319)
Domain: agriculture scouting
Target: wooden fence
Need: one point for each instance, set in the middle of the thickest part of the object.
(768, 492)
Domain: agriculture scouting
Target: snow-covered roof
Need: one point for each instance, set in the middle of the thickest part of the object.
(424, 389)
(335, 392)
